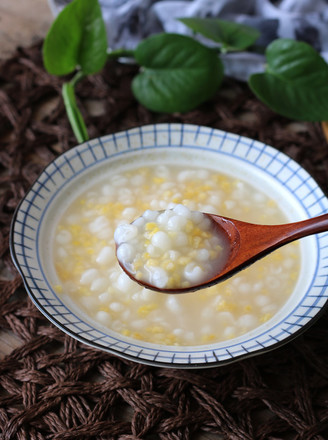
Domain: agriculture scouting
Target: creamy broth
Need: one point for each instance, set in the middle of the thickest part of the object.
(171, 249)
(88, 271)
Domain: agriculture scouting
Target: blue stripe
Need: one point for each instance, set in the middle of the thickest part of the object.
(103, 148)
(92, 152)
(197, 133)
(81, 158)
(49, 177)
(250, 147)
(68, 162)
(58, 169)
(141, 136)
(210, 136)
(37, 192)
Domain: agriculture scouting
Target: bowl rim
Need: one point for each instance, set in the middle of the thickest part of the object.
(170, 129)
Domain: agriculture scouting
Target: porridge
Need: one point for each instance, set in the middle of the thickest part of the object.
(90, 275)
(171, 249)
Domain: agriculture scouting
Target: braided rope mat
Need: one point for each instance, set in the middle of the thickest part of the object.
(53, 387)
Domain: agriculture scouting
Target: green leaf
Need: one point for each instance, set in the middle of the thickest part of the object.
(295, 83)
(76, 39)
(231, 35)
(177, 74)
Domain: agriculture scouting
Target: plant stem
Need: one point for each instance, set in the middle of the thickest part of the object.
(68, 91)
(74, 115)
(77, 78)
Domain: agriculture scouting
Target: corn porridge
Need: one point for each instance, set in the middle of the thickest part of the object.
(89, 273)
(171, 249)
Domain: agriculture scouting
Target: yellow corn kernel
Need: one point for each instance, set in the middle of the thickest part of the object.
(189, 227)
(213, 254)
(77, 271)
(196, 232)
(183, 261)
(174, 280)
(152, 262)
(167, 265)
(63, 273)
(158, 179)
(137, 265)
(293, 276)
(151, 233)
(225, 306)
(58, 288)
(189, 194)
(155, 329)
(221, 306)
(264, 318)
(146, 309)
(75, 229)
(208, 338)
(138, 275)
(84, 291)
(204, 188)
(170, 339)
(150, 226)
(277, 256)
(271, 203)
(168, 194)
(105, 209)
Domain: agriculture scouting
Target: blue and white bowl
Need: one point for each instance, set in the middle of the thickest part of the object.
(288, 183)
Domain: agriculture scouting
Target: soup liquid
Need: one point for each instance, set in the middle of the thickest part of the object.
(89, 274)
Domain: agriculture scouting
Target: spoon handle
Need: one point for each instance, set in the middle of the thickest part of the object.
(294, 231)
(252, 241)
(263, 239)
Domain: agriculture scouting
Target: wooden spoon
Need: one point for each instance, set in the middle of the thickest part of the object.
(248, 243)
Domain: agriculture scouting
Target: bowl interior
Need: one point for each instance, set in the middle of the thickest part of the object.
(64, 179)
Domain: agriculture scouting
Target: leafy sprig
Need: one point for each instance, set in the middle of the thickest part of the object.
(76, 42)
(295, 83)
(177, 73)
(230, 36)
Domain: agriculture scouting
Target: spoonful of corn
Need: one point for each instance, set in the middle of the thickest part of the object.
(178, 250)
